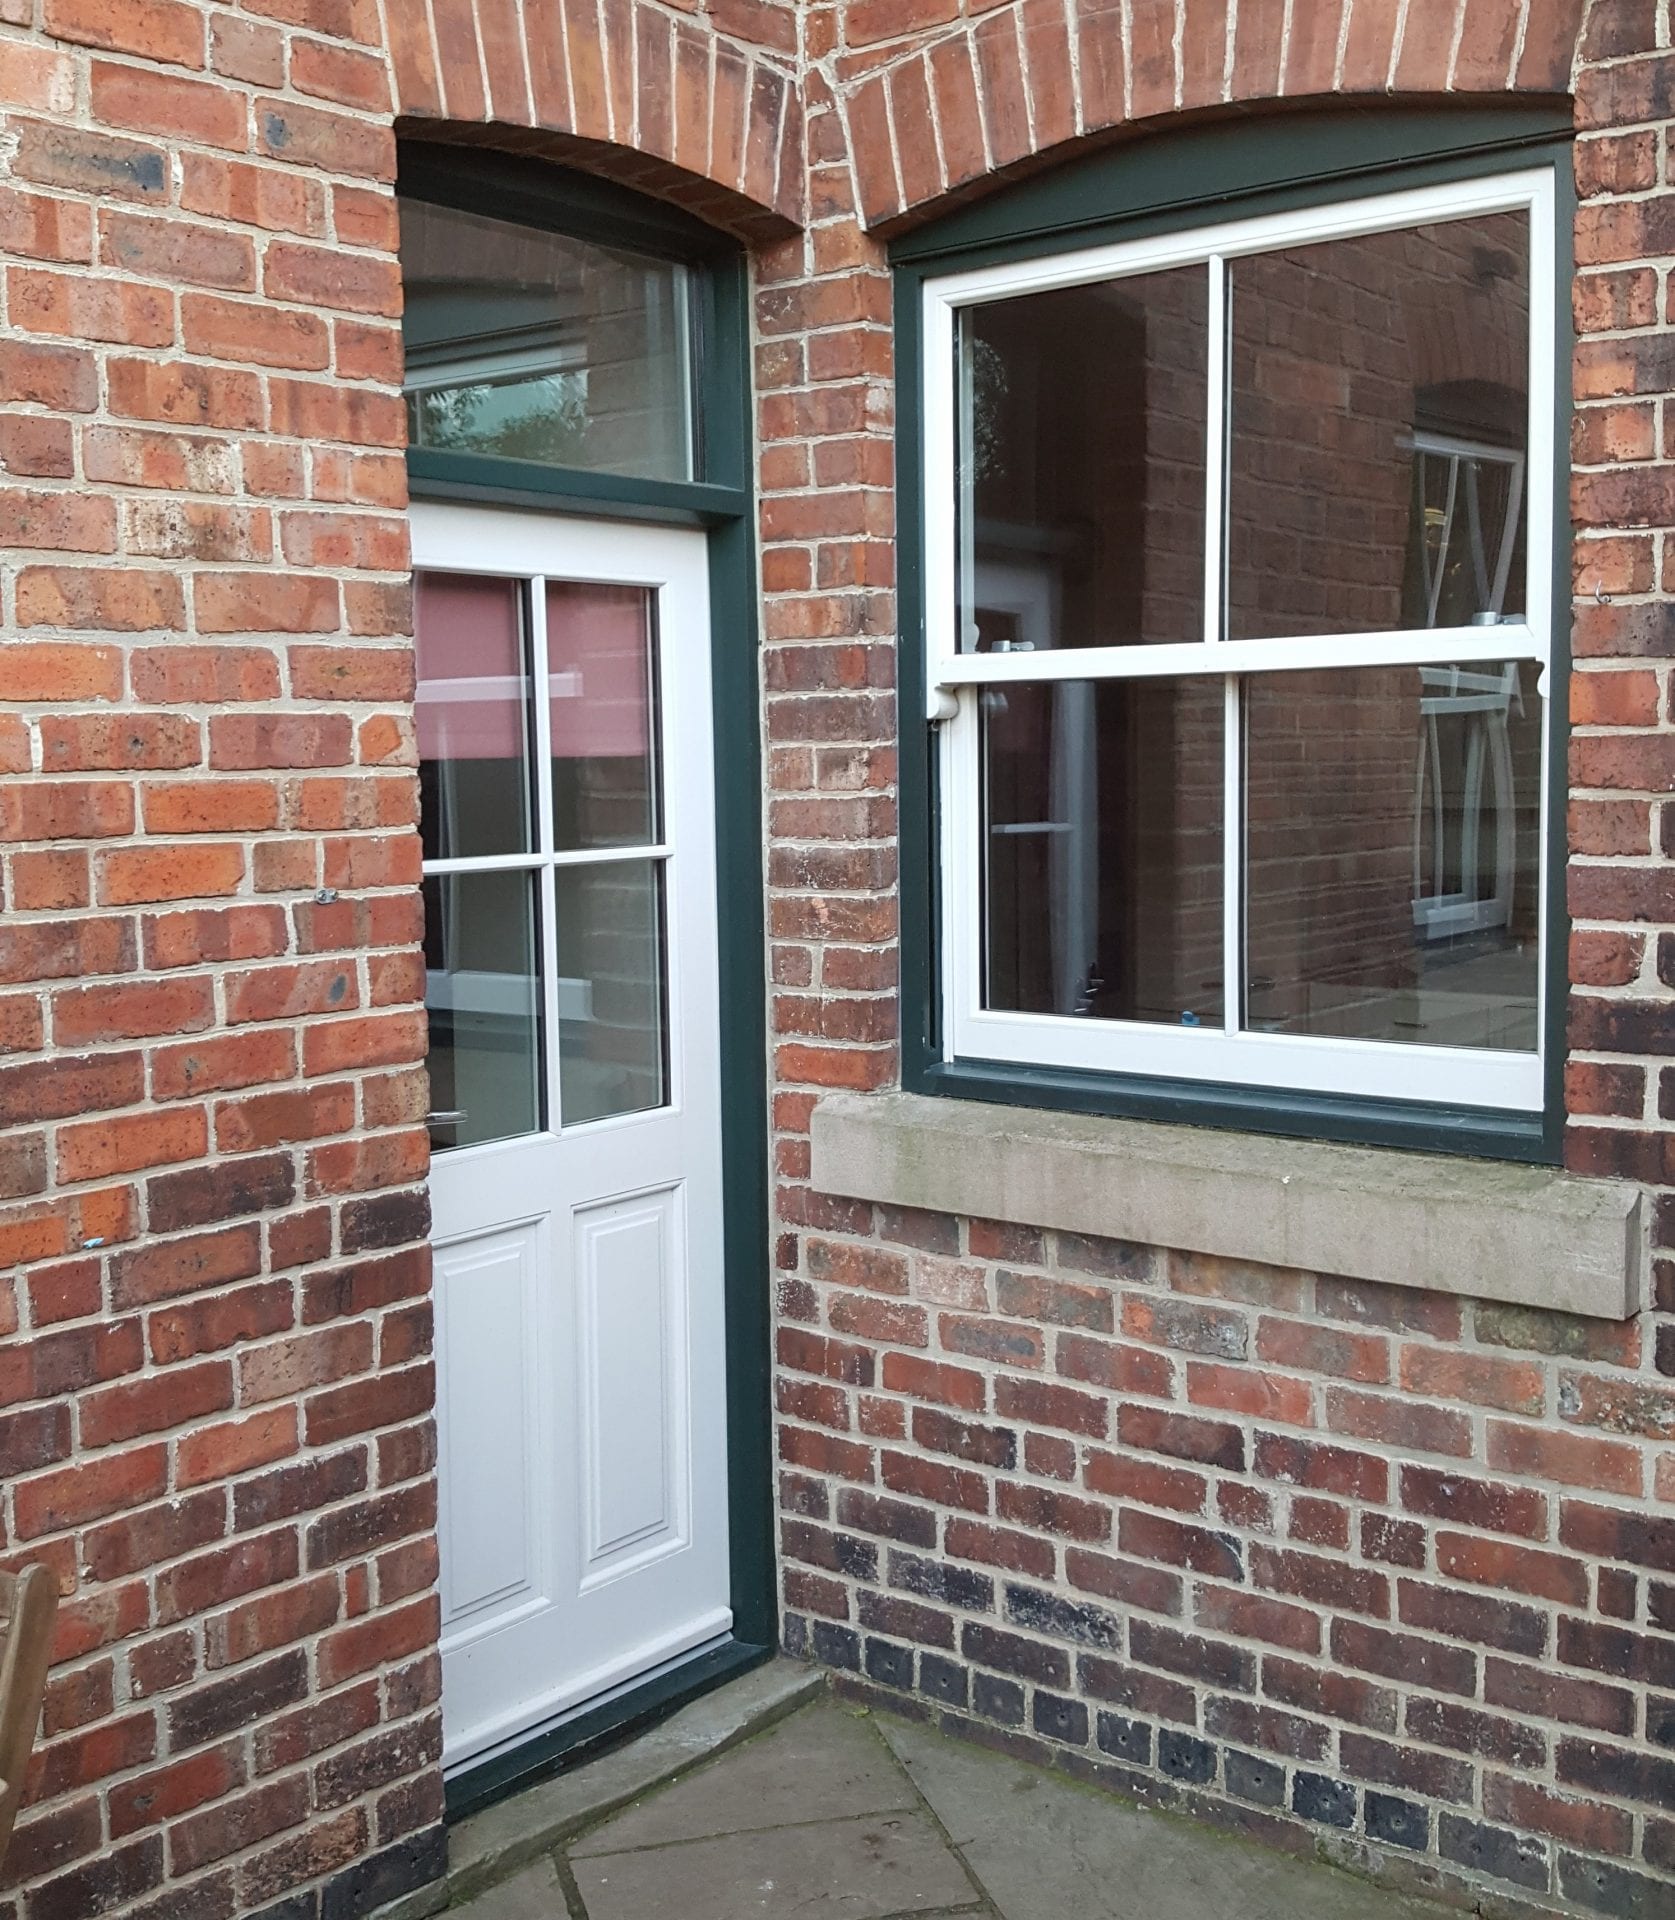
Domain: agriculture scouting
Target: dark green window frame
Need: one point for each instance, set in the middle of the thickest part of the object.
(1171, 183)
(720, 502)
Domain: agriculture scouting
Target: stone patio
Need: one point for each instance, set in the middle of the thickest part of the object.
(837, 1814)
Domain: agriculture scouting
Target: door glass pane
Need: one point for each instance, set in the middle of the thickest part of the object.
(1082, 433)
(1380, 406)
(603, 696)
(1393, 839)
(472, 716)
(482, 991)
(1103, 849)
(612, 989)
(529, 345)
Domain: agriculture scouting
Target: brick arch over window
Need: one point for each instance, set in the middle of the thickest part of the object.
(1010, 85)
(693, 105)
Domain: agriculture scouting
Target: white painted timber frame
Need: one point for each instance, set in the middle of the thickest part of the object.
(1228, 1054)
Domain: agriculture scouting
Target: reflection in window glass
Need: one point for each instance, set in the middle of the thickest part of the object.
(529, 345)
(1103, 849)
(612, 990)
(1082, 464)
(470, 714)
(602, 689)
(1379, 408)
(1392, 854)
(482, 993)
(1466, 555)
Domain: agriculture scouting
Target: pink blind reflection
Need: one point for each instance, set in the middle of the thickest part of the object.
(598, 647)
(470, 701)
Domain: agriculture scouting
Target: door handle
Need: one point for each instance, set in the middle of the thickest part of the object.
(448, 1117)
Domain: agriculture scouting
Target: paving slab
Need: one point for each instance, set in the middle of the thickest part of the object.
(865, 1869)
(518, 1830)
(825, 1763)
(1043, 1848)
(534, 1894)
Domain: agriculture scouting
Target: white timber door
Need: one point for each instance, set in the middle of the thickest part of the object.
(567, 780)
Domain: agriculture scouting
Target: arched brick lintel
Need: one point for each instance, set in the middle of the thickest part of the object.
(623, 89)
(1013, 88)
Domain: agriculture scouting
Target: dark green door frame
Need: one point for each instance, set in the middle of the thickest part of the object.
(718, 500)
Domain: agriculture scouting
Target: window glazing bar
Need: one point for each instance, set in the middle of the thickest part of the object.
(1216, 424)
(1421, 647)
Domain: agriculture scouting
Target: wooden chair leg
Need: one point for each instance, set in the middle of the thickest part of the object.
(28, 1602)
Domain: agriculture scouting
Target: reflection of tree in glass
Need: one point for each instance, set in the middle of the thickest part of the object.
(543, 419)
(988, 394)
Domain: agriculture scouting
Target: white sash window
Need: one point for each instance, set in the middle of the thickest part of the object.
(1238, 567)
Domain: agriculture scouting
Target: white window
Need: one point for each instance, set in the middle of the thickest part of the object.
(1238, 567)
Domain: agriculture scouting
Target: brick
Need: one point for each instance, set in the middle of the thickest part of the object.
(1123, 1477)
(133, 876)
(1474, 1503)
(948, 1386)
(84, 1016)
(1046, 1510)
(1473, 1617)
(171, 1267)
(1480, 1380)
(97, 1149)
(1040, 1403)
(1310, 1463)
(99, 599)
(1397, 1423)
(1150, 1536)
(86, 1491)
(1610, 1533)
(1212, 1443)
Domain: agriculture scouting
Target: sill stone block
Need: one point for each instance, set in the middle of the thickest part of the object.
(1534, 1236)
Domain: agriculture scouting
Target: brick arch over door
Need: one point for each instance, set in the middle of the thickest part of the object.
(692, 103)
(1006, 86)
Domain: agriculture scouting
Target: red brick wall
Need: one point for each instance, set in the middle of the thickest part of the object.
(215, 1375)
(214, 1387)
(215, 1380)
(1299, 1555)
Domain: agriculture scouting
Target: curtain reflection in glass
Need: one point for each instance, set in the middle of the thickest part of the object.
(604, 715)
(470, 713)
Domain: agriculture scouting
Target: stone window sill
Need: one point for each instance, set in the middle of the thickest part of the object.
(1529, 1235)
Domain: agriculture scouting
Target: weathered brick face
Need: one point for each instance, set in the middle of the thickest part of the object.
(216, 1386)
(1299, 1554)
(1315, 1558)
(215, 1376)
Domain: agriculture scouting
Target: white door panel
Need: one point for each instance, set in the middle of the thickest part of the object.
(487, 1293)
(571, 937)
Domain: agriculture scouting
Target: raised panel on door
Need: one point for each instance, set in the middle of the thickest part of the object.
(631, 1323)
(492, 1452)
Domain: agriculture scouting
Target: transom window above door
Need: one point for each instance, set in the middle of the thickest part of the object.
(541, 799)
(1237, 562)
(528, 345)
